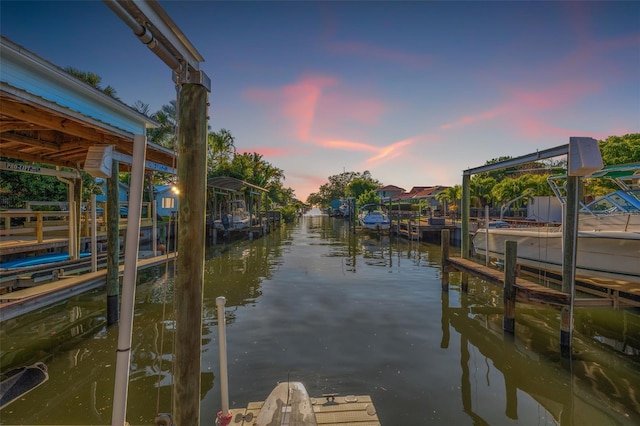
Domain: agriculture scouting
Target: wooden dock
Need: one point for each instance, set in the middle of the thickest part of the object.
(350, 410)
(534, 293)
(18, 302)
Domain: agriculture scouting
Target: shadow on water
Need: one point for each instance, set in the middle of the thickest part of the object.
(342, 312)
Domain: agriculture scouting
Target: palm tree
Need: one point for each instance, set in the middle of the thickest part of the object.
(480, 188)
(449, 197)
(92, 80)
(221, 147)
(165, 135)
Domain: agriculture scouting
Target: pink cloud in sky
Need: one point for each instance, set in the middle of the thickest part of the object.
(296, 102)
(348, 145)
(523, 104)
(469, 119)
(384, 153)
(391, 151)
(313, 102)
(531, 127)
(380, 53)
(559, 95)
(339, 106)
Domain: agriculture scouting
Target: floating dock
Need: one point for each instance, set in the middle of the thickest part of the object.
(350, 410)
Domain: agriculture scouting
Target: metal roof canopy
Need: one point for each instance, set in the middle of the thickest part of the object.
(48, 116)
(540, 155)
(232, 184)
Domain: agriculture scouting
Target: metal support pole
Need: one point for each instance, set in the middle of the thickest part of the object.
(121, 387)
(222, 345)
(486, 230)
(94, 234)
(569, 249)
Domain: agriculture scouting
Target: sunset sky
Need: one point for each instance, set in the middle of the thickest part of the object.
(414, 92)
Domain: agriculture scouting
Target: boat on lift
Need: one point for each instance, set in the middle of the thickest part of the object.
(374, 218)
(608, 234)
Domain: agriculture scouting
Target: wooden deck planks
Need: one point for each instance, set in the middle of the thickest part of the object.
(527, 291)
(339, 412)
(530, 292)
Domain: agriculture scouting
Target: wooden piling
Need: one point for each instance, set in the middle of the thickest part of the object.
(444, 320)
(509, 295)
(464, 282)
(466, 213)
(112, 219)
(192, 173)
(444, 244)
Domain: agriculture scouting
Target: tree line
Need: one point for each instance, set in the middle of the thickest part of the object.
(491, 188)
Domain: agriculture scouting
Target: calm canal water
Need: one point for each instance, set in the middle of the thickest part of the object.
(345, 313)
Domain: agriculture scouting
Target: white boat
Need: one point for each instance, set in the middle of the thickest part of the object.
(238, 218)
(344, 209)
(608, 245)
(373, 218)
(288, 404)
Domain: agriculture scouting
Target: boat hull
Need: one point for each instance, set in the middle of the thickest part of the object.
(600, 255)
(288, 404)
(375, 221)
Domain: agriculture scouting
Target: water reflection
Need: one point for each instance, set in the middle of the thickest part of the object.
(342, 312)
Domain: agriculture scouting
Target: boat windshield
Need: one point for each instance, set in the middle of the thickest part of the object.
(616, 202)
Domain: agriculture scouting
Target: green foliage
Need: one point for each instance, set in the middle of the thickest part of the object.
(338, 187)
(165, 135)
(360, 186)
(368, 197)
(30, 187)
(92, 80)
(621, 149)
(221, 150)
(480, 189)
(223, 160)
(288, 213)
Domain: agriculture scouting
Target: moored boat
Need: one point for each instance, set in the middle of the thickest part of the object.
(287, 404)
(608, 245)
(374, 218)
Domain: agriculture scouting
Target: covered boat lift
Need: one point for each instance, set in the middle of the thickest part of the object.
(231, 189)
(49, 117)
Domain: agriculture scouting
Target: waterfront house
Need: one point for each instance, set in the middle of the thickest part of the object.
(388, 192)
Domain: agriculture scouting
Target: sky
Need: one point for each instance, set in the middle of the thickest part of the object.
(413, 92)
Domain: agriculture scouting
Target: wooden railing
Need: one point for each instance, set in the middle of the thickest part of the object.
(41, 224)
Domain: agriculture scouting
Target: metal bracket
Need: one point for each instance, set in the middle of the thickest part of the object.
(187, 75)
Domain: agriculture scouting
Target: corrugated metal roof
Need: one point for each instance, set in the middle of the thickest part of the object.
(231, 184)
(36, 128)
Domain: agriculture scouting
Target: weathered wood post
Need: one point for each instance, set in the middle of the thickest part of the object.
(444, 319)
(192, 174)
(509, 295)
(511, 391)
(444, 244)
(464, 282)
(112, 219)
(466, 213)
